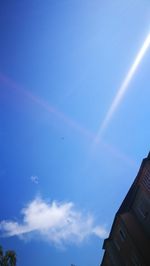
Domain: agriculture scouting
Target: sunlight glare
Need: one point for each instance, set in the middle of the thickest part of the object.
(123, 88)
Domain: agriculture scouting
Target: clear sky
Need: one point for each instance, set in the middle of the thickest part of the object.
(74, 123)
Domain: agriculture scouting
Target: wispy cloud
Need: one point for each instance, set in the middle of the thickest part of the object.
(34, 179)
(58, 223)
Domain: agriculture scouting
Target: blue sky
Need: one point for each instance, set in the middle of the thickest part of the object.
(61, 66)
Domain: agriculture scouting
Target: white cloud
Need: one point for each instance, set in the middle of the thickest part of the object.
(34, 179)
(58, 223)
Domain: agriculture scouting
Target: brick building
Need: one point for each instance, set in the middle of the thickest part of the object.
(129, 240)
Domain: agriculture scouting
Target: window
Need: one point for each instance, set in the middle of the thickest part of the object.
(135, 260)
(143, 210)
(146, 179)
(122, 235)
(116, 244)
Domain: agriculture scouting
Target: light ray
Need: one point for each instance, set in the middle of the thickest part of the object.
(123, 88)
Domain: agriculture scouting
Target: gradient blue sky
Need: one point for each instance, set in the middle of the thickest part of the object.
(61, 64)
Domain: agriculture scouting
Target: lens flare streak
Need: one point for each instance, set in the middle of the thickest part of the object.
(63, 117)
(123, 88)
